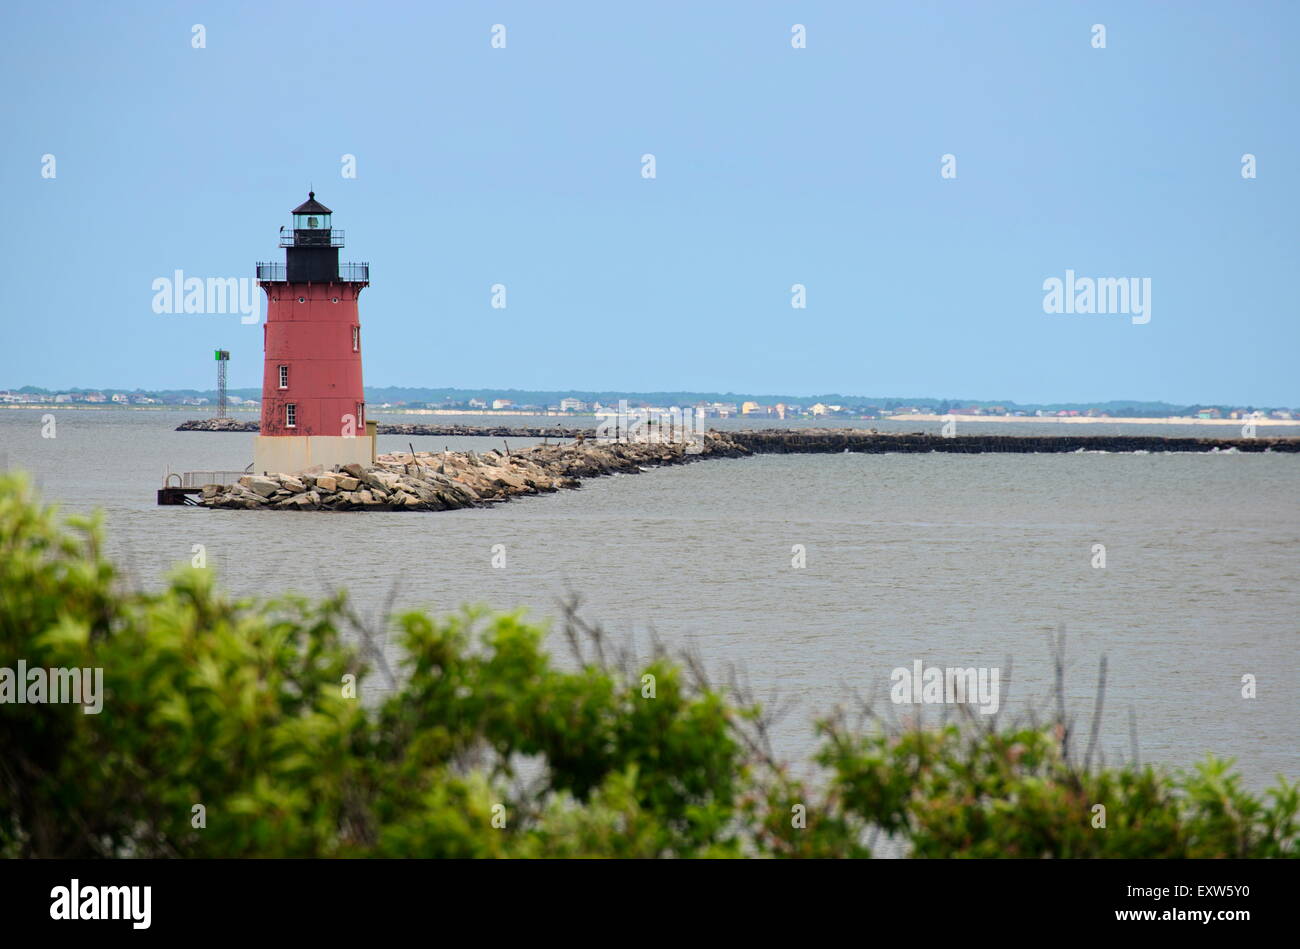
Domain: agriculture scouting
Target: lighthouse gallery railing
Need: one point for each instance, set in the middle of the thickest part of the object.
(274, 272)
(305, 238)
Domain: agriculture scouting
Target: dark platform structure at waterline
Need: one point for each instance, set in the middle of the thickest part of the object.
(178, 497)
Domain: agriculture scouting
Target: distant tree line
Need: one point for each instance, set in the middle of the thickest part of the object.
(376, 395)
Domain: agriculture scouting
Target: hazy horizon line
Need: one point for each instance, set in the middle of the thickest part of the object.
(434, 393)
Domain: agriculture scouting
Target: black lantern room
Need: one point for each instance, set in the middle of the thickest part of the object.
(313, 246)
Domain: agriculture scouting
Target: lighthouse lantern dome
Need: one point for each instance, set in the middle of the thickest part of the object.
(311, 215)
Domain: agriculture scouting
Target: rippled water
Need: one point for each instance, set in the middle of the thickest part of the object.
(953, 559)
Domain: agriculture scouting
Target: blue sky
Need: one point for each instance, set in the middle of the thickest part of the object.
(775, 166)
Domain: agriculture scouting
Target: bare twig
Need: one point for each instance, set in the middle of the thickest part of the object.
(1096, 715)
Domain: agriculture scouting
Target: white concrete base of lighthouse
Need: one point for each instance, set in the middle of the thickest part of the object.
(289, 454)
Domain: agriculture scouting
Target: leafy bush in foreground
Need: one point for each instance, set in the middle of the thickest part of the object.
(233, 728)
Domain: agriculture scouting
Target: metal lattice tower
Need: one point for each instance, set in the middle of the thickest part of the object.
(223, 357)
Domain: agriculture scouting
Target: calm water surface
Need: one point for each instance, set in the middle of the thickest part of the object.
(953, 559)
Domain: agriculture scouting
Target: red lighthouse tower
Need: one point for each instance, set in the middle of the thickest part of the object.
(313, 405)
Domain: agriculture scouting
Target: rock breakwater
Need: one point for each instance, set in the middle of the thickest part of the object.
(786, 441)
(440, 481)
(218, 425)
(781, 441)
(496, 431)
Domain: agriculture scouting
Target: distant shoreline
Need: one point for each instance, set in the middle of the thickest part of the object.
(1083, 420)
(506, 413)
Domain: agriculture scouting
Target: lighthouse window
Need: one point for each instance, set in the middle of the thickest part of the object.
(302, 299)
(291, 415)
(356, 339)
(335, 300)
(313, 222)
(361, 413)
(284, 377)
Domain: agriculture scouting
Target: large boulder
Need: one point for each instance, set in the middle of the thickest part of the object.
(381, 480)
(263, 487)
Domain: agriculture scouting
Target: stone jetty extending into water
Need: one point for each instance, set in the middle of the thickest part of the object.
(218, 425)
(787, 441)
(439, 481)
(784, 441)
(448, 480)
